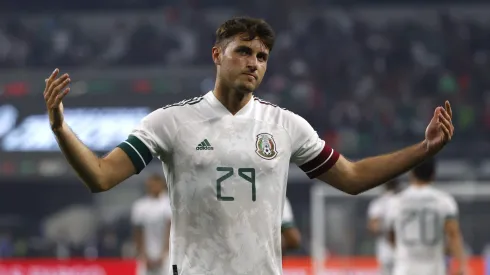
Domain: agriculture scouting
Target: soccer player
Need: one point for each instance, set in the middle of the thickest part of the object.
(151, 218)
(377, 226)
(291, 237)
(423, 218)
(226, 158)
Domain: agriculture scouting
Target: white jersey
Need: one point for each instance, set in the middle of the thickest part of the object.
(152, 215)
(227, 180)
(377, 210)
(418, 216)
(287, 216)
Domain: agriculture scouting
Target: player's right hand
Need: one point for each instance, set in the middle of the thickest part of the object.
(56, 89)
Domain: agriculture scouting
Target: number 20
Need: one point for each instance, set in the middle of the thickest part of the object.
(242, 172)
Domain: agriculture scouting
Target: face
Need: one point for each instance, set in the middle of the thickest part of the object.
(154, 187)
(241, 64)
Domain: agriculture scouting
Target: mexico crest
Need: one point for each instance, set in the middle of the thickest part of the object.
(265, 146)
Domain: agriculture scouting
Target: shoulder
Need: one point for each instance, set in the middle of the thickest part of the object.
(275, 114)
(376, 205)
(446, 197)
(440, 194)
(185, 104)
(394, 201)
(180, 112)
(269, 110)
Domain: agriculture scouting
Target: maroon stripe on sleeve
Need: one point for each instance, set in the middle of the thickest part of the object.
(318, 160)
(325, 167)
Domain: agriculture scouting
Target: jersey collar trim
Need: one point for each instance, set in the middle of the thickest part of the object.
(221, 109)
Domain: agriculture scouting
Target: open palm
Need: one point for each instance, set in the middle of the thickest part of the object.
(56, 89)
(440, 129)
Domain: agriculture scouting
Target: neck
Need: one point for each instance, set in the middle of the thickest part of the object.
(419, 183)
(232, 99)
(155, 195)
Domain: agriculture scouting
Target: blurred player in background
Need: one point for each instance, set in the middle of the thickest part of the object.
(151, 218)
(423, 219)
(291, 237)
(226, 156)
(378, 227)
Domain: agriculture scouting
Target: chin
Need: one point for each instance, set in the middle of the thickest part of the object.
(245, 89)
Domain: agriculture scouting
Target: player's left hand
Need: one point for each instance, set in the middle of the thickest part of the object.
(440, 129)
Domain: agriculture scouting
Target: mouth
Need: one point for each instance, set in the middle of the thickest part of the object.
(252, 75)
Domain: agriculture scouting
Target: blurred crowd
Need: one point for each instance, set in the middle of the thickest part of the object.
(357, 83)
(362, 85)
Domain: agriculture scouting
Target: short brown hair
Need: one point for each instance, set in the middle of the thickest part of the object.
(425, 171)
(252, 27)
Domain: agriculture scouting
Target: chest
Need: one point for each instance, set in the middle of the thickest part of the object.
(241, 143)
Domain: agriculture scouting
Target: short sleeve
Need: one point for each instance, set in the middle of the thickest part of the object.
(375, 210)
(309, 151)
(451, 208)
(151, 138)
(136, 217)
(287, 216)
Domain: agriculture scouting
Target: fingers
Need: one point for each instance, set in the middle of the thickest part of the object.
(446, 126)
(56, 89)
(55, 85)
(446, 115)
(437, 111)
(443, 116)
(447, 132)
(448, 109)
(50, 79)
(60, 97)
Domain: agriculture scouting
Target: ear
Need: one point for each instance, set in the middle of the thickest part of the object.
(216, 54)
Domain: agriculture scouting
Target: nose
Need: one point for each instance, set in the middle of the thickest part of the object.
(252, 63)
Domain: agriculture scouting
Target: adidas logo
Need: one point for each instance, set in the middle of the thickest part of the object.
(205, 145)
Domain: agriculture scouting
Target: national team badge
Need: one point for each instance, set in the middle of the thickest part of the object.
(265, 146)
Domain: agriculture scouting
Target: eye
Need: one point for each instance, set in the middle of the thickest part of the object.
(262, 57)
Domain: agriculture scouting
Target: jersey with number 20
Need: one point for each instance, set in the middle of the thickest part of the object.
(418, 215)
(227, 176)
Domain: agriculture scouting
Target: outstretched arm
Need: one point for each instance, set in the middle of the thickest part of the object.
(152, 137)
(99, 174)
(357, 177)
